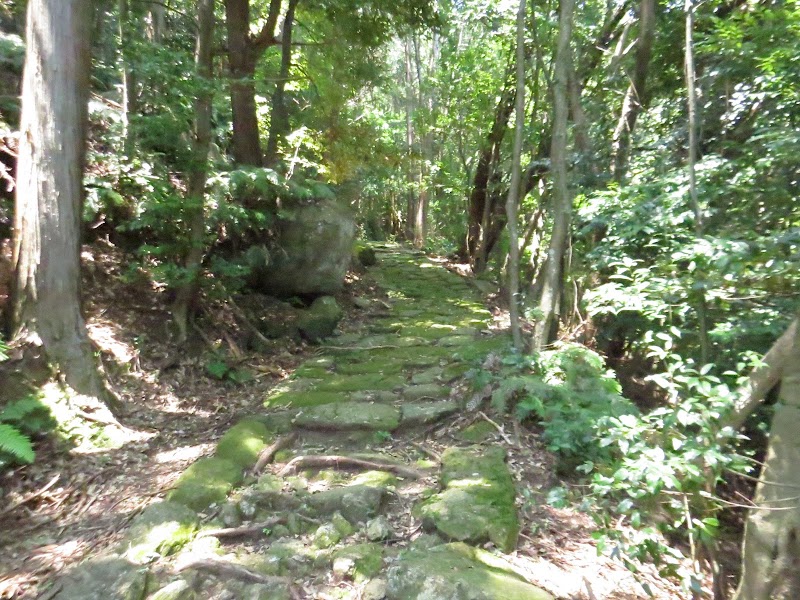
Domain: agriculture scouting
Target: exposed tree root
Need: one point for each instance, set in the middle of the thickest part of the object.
(244, 530)
(268, 453)
(221, 568)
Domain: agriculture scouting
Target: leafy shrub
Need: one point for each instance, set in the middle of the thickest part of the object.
(569, 390)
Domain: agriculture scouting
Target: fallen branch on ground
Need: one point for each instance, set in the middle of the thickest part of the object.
(344, 462)
(499, 428)
(32, 496)
(268, 453)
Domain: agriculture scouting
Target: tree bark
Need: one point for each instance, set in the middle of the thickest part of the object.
(129, 81)
(279, 122)
(242, 63)
(49, 191)
(512, 202)
(771, 548)
(552, 273)
(482, 202)
(636, 96)
(186, 293)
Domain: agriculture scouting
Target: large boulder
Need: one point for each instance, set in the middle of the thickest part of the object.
(313, 252)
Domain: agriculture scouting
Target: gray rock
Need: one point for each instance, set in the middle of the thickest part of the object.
(177, 590)
(161, 529)
(326, 536)
(374, 590)
(457, 572)
(420, 413)
(357, 503)
(313, 253)
(320, 320)
(104, 579)
(378, 529)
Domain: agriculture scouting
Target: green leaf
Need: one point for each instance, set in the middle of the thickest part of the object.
(217, 369)
(16, 444)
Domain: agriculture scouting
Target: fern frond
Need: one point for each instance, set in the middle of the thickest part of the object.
(16, 444)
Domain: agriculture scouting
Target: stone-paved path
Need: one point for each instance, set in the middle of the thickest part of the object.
(350, 506)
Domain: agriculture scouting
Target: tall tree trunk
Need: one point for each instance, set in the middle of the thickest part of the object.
(279, 123)
(49, 191)
(481, 201)
(512, 202)
(702, 305)
(411, 197)
(244, 50)
(552, 274)
(635, 97)
(242, 64)
(771, 549)
(195, 193)
(158, 22)
(129, 82)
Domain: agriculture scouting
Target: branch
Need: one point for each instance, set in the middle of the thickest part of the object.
(266, 37)
(764, 377)
(343, 462)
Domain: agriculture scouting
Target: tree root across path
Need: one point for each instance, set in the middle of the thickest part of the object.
(221, 568)
(268, 453)
(347, 462)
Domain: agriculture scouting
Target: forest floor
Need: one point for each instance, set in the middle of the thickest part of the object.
(391, 391)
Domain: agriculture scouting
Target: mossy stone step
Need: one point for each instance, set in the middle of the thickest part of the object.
(477, 502)
(346, 416)
(457, 572)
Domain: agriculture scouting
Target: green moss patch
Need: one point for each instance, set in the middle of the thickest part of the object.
(350, 415)
(477, 503)
(161, 529)
(242, 443)
(303, 399)
(206, 482)
(449, 570)
(360, 561)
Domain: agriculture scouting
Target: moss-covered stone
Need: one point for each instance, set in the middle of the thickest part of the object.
(477, 432)
(425, 390)
(420, 413)
(457, 572)
(177, 590)
(161, 529)
(243, 442)
(356, 503)
(431, 375)
(379, 479)
(353, 383)
(477, 503)
(104, 579)
(320, 320)
(350, 415)
(364, 561)
(206, 482)
(302, 399)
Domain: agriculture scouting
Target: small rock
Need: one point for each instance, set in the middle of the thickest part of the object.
(104, 579)
(229, 515)
(378, 529)
(374, 590)
(362, 303)
(177, 590)
(343, 567)
(326, 536)
(357, 503)
(342, 525)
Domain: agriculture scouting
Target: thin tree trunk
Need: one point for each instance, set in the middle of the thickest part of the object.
(49, 192)
(412, 199)
(512, 201)
(186, 293)
(636, 96)
(279, 123)
(702, 307)
(158, 22)
(129, 84)
(552, 273)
